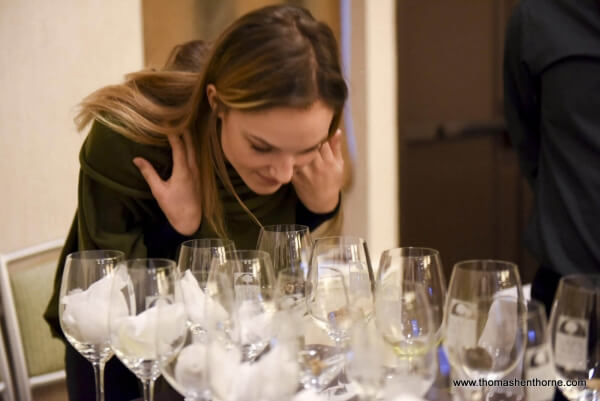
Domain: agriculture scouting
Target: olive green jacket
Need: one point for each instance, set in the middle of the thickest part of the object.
(116, 209)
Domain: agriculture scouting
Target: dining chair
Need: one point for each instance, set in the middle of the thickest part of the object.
(26, 285)
(7, 391)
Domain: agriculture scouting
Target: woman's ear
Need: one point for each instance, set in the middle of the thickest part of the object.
(213, 100)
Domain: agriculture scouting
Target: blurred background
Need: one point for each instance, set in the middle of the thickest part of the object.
(428, 155)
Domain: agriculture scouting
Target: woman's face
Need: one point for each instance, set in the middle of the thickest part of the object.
(264, 147)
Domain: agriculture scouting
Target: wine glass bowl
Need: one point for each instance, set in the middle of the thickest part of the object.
(289, 246)
(419, 265)
(202, 255)
(537, 362)
(329, 304)
(85, 286)
(139, 287)
(253, 288)
(485, 319)
(404, 317)
(350, 257)
(575, 336)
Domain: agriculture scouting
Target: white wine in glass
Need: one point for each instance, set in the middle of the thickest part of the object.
(404, 318)
(418, 265)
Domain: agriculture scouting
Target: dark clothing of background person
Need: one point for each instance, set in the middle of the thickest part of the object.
(552, 106)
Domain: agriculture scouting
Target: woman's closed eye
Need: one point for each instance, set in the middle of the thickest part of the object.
(261, 149)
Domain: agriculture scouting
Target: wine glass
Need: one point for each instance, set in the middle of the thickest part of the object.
(485, 319)
(222, 328)
(290, 290)
(200, 255)
(366, 360)
(350, 257)
(139, 287)
(253, 287)
(419, 265)
(288, 245)
(197, 258)
(329, 304)
(183, 362)
(330, 308)
(181, 350)
(85, 287)
(538, 354)
(575, 335)
(403, 316)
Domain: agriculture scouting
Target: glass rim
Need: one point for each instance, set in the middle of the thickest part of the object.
(90, 254)
(426, 251)
(285, 228)
(138, 263)
(585, 282)
(196, 242)
(344, 237)
(490, 265)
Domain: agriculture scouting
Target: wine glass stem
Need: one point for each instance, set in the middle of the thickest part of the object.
(148, 389)
(339, 346)
(99, 379)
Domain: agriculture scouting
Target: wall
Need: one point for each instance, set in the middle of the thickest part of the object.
(461, 188)
(53, 54)
(371, 208)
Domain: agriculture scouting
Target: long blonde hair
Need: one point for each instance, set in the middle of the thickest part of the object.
(276, 56)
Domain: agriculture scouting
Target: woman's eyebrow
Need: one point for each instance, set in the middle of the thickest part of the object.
(264, 143)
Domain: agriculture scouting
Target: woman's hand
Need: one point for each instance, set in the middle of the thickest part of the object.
(179, 196)
(318, 184)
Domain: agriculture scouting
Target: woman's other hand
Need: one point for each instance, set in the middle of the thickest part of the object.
(179, 196)
(318, 184)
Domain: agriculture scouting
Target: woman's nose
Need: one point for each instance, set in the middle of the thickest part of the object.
(283, 168)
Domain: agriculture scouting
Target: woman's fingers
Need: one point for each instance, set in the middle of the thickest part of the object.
(149, 174)
(336, 144)
(331, 151)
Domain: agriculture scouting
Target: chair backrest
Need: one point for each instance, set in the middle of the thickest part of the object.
(26, 282)
(6, 383)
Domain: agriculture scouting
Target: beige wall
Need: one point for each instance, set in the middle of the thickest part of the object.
(53, 54)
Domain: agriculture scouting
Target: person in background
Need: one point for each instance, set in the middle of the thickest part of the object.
(552, 99)
(249, 139)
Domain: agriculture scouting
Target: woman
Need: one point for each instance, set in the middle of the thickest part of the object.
(252, 140)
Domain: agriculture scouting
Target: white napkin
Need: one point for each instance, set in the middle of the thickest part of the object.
(273, 377)
(135, 336)
(190, 368)
(254, 319)
(224, 366)
(500, 330)
(407, 397)
(195, 299)
(86, 312)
